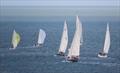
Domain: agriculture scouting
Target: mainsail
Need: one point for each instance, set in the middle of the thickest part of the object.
(15, 39)
(74, 50)
(41, 36)
(105, 50)
(107, 40)
(64, 39)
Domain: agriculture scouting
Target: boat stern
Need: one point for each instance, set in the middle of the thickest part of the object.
(102, 55)
(72, 58)
(61, 54)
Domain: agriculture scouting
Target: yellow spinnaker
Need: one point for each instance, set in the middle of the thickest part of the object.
(15, 39)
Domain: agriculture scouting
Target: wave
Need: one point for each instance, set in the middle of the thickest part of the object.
(94, 58)
(34, 46)
(94, 63)
(99, 63)
(83, 60)
(28, 47)
(97, 58)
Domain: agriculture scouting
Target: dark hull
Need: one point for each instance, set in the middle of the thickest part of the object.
(39, 45)
(73, 58)
(61, 54)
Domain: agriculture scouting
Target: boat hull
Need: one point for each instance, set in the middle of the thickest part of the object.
(102, 55)
(12, 48)
(39, 45)
(61, 54)
(73, 58)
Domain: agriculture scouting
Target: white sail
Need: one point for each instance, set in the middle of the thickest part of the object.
(64, 39)
(74, 50)
(107, 41)
(41, 36)
(81, 39)
(15, 39)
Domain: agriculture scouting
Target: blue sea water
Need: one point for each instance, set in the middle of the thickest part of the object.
(28, 59)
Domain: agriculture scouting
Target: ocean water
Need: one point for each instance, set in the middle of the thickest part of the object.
(29, 59)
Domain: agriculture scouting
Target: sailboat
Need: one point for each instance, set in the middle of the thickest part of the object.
(64, 41)
(15, 39)
(74, 50)
(104, 52)
(41, 37)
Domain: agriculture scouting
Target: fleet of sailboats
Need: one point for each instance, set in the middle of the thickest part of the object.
(104, 52)
(15, 39)
(41, 37)
(64, 41)
(74, 50)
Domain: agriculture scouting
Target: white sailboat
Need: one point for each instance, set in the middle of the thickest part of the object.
(64, 41)
(41, 37)
(15, 39)
(74, 50)
(104, 52)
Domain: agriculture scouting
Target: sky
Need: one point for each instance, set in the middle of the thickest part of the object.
(59, 7)
(59, 2)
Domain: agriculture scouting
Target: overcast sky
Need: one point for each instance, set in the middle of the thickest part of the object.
(60, 2)
(59, 7)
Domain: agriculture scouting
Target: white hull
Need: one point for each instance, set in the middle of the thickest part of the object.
(12, 48)
(102, 56)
